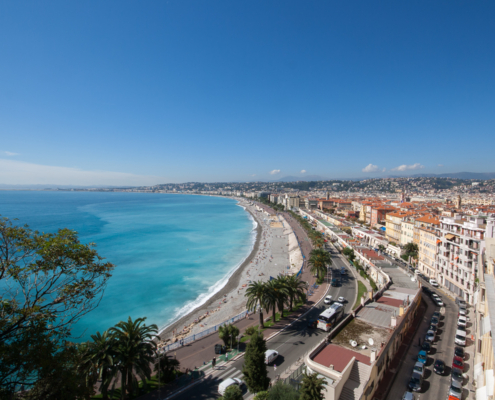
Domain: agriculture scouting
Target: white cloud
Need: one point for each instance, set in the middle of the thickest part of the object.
(23, 173)
(10, 154)
(371, 168)
(384, 169)
(440, 165)
(253, 175)
(405, 167)
(303, 171)
(275, 172)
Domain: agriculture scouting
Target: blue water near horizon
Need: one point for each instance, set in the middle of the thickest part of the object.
(172, 252)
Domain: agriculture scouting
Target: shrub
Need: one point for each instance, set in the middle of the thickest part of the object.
(261, 396)
(249, 331)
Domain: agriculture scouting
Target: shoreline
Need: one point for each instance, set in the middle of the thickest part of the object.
(231, 285)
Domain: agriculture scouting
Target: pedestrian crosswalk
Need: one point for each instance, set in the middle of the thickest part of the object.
(229, 373)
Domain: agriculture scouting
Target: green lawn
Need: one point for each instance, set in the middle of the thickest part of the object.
(361, 290)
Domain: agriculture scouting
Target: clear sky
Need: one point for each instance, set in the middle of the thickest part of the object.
(145, 92)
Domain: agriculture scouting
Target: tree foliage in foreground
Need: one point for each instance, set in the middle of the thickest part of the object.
(281, 391)
(254, 368)
(48, 281)
(312, 387)
(232, 393)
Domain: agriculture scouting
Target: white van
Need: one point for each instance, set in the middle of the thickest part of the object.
(227, 383)
(270, 356)
(460, 338)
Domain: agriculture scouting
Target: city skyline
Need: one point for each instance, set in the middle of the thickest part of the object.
(176, 92)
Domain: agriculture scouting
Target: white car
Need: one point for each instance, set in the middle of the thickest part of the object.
(430, 336)
(462, 321)
(328, 300)
(408, 396)
(419, 368)
(433, 282)
(270, 356)
(227, 383)
(417, 272)
(341, 299)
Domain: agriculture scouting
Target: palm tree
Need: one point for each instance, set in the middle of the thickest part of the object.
(135, 351)
(256, 293)
(100, 355)
(318, 261)
(276, 296)
(312, 387)
(166, 367)
(295, 289)
(228, 333)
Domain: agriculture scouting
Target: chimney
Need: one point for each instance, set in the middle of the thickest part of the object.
(393, 321)
(372, 356)
(401, 310)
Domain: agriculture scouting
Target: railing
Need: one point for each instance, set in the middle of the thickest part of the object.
(209, 331)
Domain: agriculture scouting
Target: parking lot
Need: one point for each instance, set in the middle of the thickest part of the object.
(434, 386)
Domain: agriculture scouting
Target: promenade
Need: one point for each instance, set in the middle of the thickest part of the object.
(198, 354)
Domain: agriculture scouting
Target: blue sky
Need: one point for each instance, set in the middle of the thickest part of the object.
(149, 92)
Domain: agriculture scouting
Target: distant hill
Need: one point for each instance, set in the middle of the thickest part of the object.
(301, 178)
(459, 175)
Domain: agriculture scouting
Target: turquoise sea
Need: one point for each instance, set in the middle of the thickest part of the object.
(172, 252)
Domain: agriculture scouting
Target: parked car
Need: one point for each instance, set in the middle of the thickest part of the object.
(433, 328)
(328, 300)
(434, 321)
(422, 357)
(439, 302)
(436, 315)
(460, 338)
(433, 282)
(408, 396)
(461, 321)
(270, 356)
(425, 289)
(461, 328)
(459, 352)
(417, 272)
(462, 312)
(456, 375)
(457, 362)
(455, 389)
(430, 336)
(426, 346)
(227, 383)
(460, 302)
(415, 383)
(419, 368)
(439, 367)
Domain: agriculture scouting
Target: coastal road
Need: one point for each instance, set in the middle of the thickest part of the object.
(292, 343)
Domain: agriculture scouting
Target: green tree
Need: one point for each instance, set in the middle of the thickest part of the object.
(281, 391)
(295, 290)
(254, 368)
(232, 393)
(256, 293)
(411, 249)
(48, 281)
(261, 396)
(312, 387)
(99, 355)
(318, 261)
(228, 333)
(135, 351)
(166, 368)
(275, 296)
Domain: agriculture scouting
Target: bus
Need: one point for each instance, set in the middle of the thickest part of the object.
(329, 318)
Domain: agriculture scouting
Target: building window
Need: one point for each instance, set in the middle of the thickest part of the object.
(479, 345)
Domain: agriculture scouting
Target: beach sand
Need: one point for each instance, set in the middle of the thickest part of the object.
(269, 257)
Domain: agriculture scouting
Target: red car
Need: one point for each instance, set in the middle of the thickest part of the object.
(458, 363)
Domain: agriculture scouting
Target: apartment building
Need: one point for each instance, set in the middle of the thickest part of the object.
(379, 214)
(462, 241)
(407, 231)
(427, 250)
(428, 221)
(393, 224)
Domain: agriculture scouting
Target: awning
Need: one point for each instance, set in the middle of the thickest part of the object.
(439, 241)
(449, 236)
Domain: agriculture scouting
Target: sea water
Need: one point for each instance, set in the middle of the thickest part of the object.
(171, 252)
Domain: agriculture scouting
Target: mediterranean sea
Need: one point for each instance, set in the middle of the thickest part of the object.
(171, 252)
